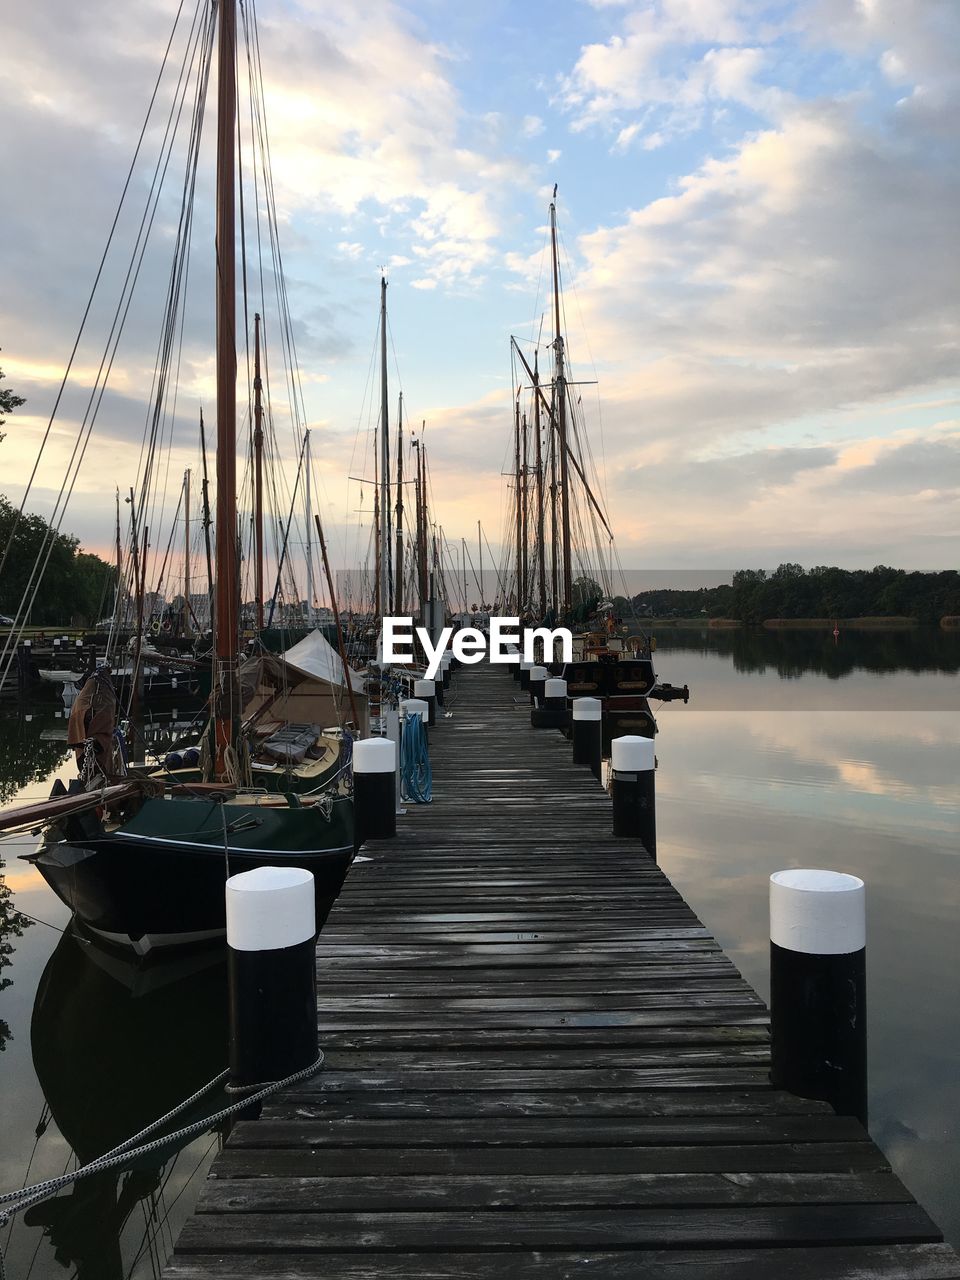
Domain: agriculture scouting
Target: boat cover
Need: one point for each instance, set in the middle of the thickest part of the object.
(315, 656)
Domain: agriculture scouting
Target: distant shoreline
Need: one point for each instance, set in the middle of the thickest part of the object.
(949, 623)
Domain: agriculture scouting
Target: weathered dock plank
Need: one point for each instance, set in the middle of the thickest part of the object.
(540, 1066)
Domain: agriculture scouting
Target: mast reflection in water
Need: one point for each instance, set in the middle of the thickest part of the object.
(115, 1046)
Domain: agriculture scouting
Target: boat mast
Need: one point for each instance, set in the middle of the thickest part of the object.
(398, 592)
(205, 495)
(561, 420)
(257, 474)
(378, 566)
(116, 595)
(538, 455)
(517, 516)
(480, 549)
(227, 709)
(308, 502)
(385, 584)
(186, 552)
(524, 503)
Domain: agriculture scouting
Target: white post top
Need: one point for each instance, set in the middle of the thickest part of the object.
(555, 689)
(424, 688)
(374, 755)
(414, 707)
(538, 673)
(526, 664)
(587, 709)
(270, 908)
(819, 913)
(632, 754)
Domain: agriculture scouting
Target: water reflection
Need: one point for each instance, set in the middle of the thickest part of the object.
(744, 794)
(791, 654)
(115, 1045)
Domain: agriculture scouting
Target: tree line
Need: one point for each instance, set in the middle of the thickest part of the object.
(77, 587)
(790, 591)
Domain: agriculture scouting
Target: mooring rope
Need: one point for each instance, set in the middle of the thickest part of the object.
(133, 1148)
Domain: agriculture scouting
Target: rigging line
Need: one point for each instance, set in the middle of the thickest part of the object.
(90, 415)
(157, 398)
(190, 177)
(288, 342)
(96, 281)
(295, 366)
(50, 536)
(243, 233)
(158, 358)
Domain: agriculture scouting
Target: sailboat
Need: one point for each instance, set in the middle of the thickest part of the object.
(147, 871)
(554, 514)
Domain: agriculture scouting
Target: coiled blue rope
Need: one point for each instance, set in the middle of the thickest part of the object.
(416, 776)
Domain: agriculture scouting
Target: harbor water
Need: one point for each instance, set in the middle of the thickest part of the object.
(796, 749)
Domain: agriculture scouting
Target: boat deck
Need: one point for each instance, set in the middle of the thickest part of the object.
(539, 1064)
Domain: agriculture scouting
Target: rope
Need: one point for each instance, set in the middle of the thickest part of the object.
(134, 1148)
(416, 776)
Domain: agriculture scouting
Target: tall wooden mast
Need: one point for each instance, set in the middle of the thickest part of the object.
(398, 592)
(517, 506)
(308, 504)
(227, 712)
(117, 593)
(561, 423)
(187, 585)
(524, 513)
(385, 584)
(257, 474)
(538, 455)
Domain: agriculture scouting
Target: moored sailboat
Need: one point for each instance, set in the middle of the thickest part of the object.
(149, 871)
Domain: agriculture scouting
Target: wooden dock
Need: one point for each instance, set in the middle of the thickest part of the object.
(539, 1064)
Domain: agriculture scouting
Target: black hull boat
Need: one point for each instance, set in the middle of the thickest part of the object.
(625, 687)
(156, 880)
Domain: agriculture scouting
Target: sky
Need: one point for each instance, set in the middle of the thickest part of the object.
(757, 204)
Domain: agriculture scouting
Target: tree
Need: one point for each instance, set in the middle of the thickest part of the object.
(8, 402)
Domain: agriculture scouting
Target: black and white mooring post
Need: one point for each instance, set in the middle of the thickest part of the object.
(633, 767)
(538, 677)
(588, 733)
(374, 770)
(553, 712)
(446, 668)
(525, 667)
(818, 988)
(426, 691)
(272, 974)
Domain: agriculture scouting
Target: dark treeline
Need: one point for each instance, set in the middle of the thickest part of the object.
(791, 591)
(76, 588)
(792, 654)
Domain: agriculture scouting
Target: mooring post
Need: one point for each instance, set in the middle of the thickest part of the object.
(271, 974)
(553, 712)
(374, 810)
(525, 668)
(446, 668)
(538, 677)
(633, 790)
(818, 988)
(426, 690)
(415, 707)
(588, 733)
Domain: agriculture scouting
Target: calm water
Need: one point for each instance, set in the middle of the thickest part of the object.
(793, 751)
